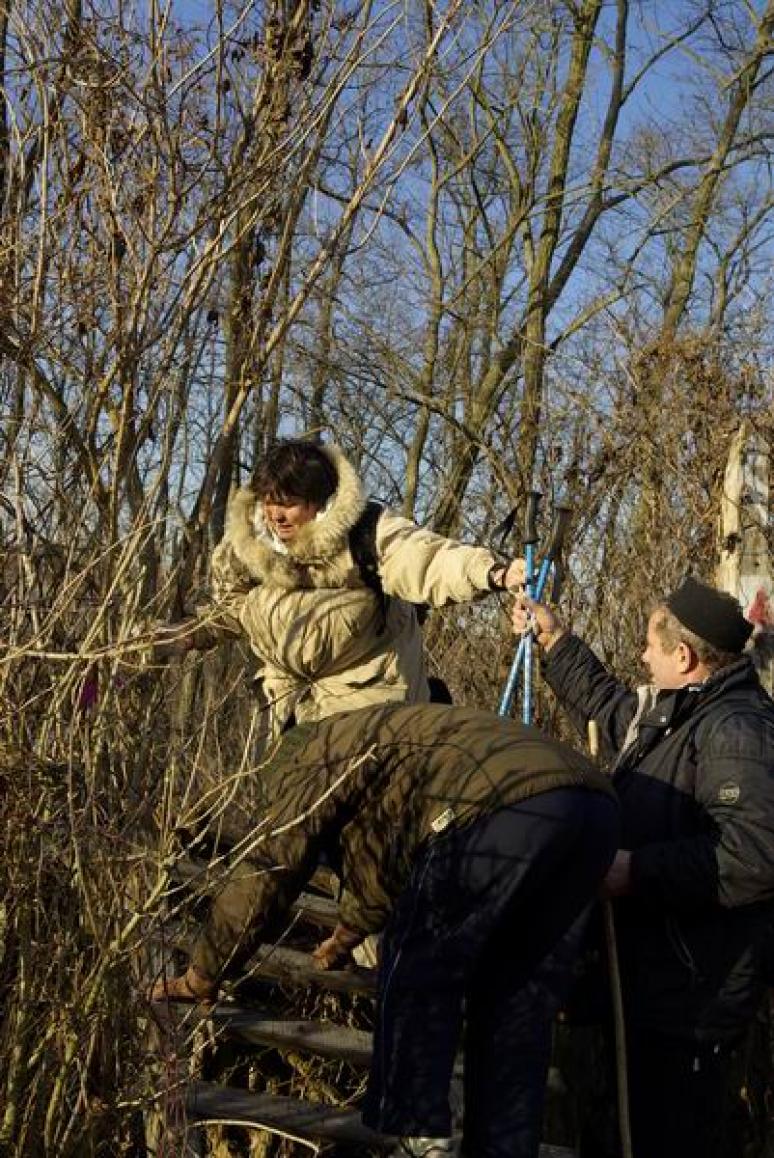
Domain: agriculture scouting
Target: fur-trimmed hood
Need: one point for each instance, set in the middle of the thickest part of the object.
(318, 544)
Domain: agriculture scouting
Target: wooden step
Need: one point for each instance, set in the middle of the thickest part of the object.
(322, 911)
(292, 967)
(323, 1038)
(309, 1121)
(259, 1026)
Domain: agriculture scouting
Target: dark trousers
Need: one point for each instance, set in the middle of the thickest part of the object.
(491, 921)
(681, 1098)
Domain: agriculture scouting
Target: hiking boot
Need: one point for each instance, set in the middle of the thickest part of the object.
(425, 1148)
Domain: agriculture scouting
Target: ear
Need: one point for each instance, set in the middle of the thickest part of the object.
(686, 657)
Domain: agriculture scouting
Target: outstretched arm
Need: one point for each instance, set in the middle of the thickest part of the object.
(231, 584)
(582, 684)
(419, 566)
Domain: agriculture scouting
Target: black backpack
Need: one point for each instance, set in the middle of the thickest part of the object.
(362, 544)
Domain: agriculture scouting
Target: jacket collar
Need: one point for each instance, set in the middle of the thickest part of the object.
(673, 705)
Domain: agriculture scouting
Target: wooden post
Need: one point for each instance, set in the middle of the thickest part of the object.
(745, 568)
(619, 1025)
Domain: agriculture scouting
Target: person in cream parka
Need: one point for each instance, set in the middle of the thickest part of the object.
(286, 577)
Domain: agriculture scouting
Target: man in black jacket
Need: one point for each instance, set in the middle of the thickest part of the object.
(693, 883)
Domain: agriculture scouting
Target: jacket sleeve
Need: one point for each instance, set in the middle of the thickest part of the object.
(419, 566)
(588, 691)
(362, 918)
(212, 623)
(231, 584)
(733, 864)
(256, 896)
(231, 581)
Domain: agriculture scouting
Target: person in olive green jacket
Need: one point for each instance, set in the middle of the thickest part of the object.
(330, 634)
(476, 844)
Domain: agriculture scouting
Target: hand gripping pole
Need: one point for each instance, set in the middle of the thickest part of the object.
(551, 558)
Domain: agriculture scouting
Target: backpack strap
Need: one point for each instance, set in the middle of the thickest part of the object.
(362, 544)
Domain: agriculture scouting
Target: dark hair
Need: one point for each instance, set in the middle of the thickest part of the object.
(296, 469)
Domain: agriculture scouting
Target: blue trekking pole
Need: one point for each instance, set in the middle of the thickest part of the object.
(550, 560)
(530, 543)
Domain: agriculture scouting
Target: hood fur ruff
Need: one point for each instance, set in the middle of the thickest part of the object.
(319, 543)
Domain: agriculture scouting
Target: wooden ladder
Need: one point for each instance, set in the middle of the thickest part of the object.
(312, 1123)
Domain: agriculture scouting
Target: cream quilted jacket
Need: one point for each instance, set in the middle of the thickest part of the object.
(311, 620)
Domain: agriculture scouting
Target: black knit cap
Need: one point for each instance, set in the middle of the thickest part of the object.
(714, 616)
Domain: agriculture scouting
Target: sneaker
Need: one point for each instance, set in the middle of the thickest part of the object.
(425, 1148)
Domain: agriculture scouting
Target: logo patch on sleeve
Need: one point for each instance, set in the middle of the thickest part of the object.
(729, 792)
(442, 821)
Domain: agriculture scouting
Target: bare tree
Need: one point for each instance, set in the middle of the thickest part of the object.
(483, 245)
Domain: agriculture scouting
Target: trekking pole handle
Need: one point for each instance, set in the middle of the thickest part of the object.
(531, 516)
(559, 528)
(553, 556)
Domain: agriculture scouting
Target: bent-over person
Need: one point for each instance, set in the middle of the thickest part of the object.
(476, 844)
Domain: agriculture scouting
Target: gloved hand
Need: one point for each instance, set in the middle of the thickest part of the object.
(335, 952)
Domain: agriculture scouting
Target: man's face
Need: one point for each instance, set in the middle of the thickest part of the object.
(666, 668)
(285, 516)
